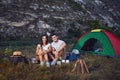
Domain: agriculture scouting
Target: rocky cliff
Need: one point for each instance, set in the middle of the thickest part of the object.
(31, 18)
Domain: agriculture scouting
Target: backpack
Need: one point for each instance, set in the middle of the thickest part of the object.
(18, 58)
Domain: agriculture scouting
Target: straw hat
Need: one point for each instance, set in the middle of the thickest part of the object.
(17, 53)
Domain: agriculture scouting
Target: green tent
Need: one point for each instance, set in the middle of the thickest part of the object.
(99, 39)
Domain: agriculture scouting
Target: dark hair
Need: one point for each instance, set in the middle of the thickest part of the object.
(41, 39)
(53, 34)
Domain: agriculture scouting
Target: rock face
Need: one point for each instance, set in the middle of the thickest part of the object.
(31, 18)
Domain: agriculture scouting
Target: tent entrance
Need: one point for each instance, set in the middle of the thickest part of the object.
(91, 44)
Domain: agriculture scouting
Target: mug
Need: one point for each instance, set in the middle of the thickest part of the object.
(67, 61)
(34, 60)
(63, 61)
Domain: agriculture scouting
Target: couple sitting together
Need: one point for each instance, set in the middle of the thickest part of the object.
(55, 50)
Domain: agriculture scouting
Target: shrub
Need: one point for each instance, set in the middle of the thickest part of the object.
(8, 51)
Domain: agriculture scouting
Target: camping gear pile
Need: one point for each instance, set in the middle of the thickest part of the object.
(17, 57)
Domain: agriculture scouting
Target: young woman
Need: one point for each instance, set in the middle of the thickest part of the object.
(43, 50)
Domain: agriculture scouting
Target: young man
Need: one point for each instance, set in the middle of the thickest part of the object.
(58, 49)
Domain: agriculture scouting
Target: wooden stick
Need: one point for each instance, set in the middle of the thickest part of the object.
(86, 68)
(82, 66)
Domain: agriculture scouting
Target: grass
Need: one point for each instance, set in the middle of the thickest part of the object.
(101, 68)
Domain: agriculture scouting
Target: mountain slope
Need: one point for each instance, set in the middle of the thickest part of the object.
(31, 18)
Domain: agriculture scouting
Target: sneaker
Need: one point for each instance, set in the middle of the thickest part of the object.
(53, 62)
(58, 62)
(47, 64)
(42, 63)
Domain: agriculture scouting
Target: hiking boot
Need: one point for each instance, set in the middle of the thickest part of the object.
(53, 62)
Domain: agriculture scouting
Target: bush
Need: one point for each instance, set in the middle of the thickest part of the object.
(8, 51)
